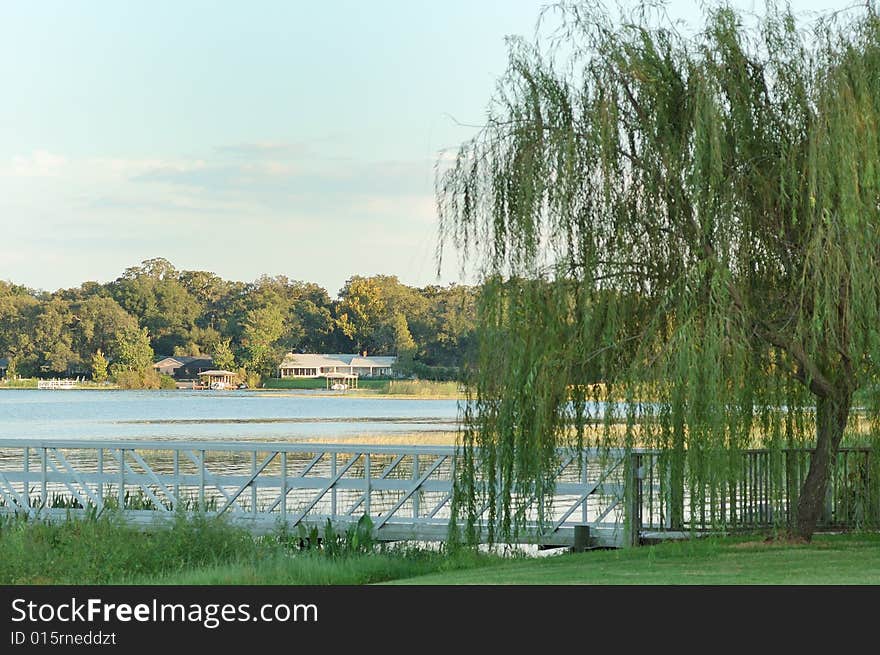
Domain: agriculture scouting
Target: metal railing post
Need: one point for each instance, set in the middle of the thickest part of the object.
(44, 492)
(26, 466)
(368, 481)
(415, 477)
(254, 482)
(121, 494)
(584, 507)
(284, 488)
(333, 489)
(176, 477)
(201, 480)
(101, 478)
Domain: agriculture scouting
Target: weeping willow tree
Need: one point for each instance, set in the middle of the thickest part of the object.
(687, 224)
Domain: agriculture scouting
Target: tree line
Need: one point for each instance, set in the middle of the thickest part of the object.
(153, 309)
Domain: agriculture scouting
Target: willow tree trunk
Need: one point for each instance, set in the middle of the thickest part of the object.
(832, 414)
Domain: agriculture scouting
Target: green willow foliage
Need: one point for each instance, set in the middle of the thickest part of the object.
(691, 220)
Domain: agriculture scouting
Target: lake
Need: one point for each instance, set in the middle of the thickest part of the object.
(234, 415)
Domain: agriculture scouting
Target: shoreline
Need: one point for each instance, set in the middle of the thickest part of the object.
(277, 393)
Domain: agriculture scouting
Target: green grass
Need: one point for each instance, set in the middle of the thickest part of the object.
(102, 551)
(18, 383)
(199, 551)
(310, 568)
(837, 559)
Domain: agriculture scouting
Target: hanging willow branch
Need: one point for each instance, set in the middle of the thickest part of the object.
(685, 224)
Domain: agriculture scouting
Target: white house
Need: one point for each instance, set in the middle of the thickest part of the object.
(298, 365)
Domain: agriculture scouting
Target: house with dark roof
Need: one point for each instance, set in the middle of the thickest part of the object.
(184, 368)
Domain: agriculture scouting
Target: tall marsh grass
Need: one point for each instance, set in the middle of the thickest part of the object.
(419, 388)
(197, 549)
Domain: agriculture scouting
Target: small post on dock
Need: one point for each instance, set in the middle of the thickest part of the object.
(581, 538)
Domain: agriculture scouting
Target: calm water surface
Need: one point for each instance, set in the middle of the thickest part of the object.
(44, 414)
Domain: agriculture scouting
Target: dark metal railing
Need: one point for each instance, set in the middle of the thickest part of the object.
(758, 489)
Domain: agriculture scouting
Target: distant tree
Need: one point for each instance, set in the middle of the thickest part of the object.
(207, 288)
(98, 319)
(263, 327)
(368, 307)
(99, 366)
(450, 338)
(153, 293)
(223, 357)
(53, 336)
(18, 311)
(315, 325)
(360, 312)
(157, 268)
(404, 346)
(133, 350)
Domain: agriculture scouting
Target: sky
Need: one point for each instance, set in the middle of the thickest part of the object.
(282, 138)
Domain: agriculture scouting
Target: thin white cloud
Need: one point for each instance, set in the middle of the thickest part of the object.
(263, 150)
(39, 163)
(249, 207)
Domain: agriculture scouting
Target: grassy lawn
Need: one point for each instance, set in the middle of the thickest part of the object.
(199, 551)
(837, 559)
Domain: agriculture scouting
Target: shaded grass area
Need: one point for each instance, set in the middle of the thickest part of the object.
(200, 550)
(829, 559)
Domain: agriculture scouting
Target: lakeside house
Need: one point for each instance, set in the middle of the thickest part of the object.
(301, 365)
(184, 368)
(4, 366)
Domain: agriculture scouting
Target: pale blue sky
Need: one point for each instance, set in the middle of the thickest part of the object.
(287, 138)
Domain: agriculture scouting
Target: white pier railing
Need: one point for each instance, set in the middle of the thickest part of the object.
(406, 490)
